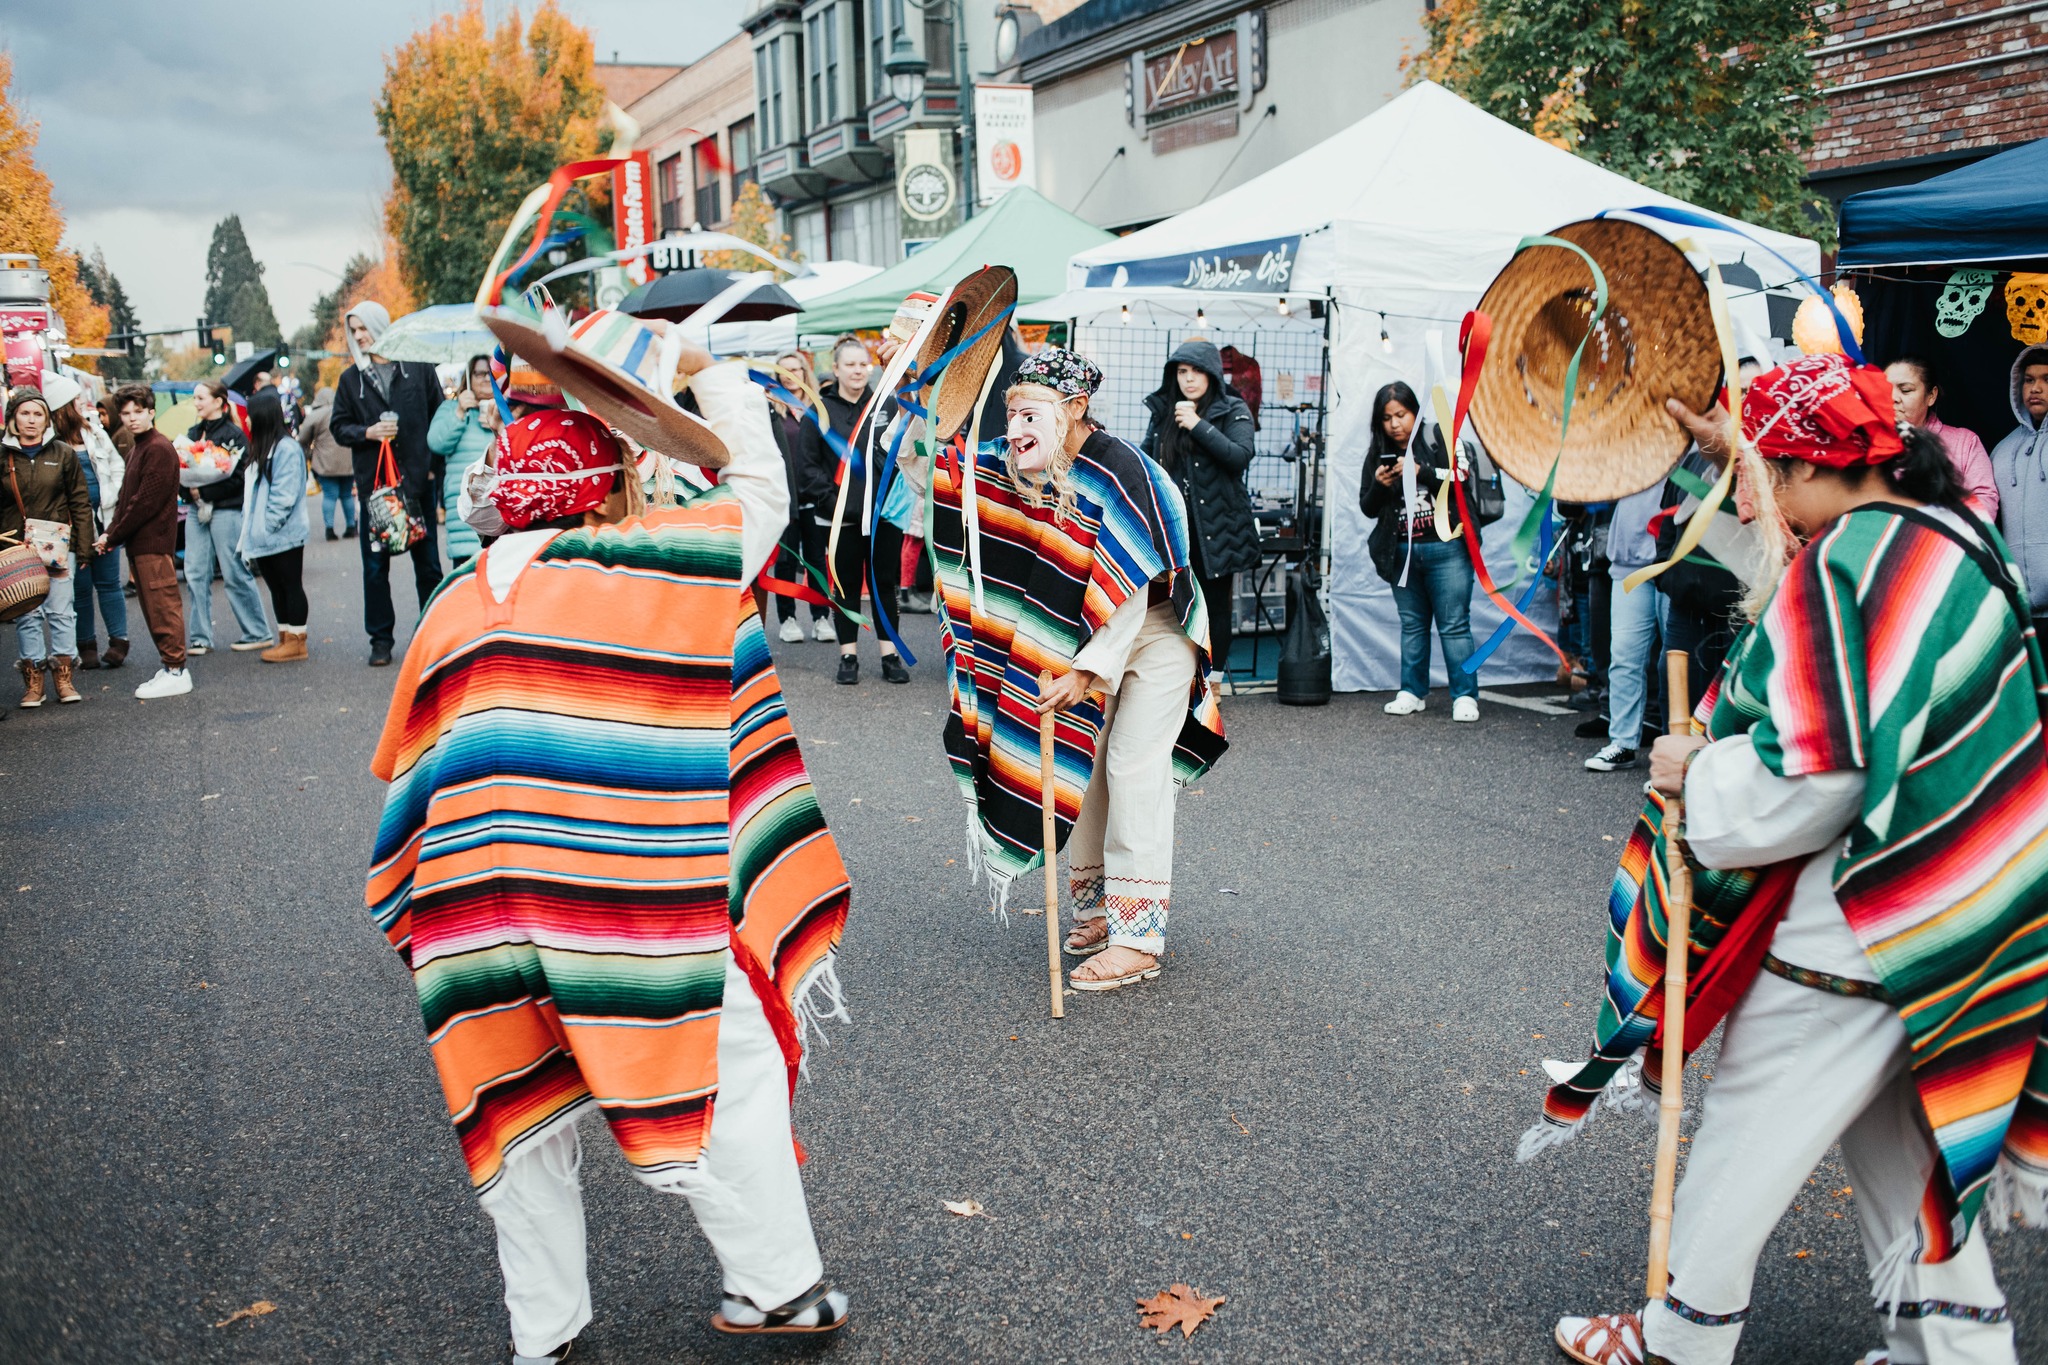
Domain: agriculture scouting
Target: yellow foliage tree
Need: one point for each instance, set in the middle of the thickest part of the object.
(473, 118)
(31, 221)
(382, 283)
(753, 220)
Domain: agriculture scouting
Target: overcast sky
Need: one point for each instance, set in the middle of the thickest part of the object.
(158, 120)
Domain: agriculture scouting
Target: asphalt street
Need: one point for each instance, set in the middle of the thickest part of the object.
(215, 1092)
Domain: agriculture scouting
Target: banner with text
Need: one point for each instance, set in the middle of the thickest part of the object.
(1004, 153)
(1250, 268)
(633, 211)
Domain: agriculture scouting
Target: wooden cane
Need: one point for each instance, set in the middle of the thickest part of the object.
(1050, 829)
(1677, 944)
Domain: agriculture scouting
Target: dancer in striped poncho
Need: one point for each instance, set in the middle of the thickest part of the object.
(602, 862)
(1869, 808)
(1076, 560)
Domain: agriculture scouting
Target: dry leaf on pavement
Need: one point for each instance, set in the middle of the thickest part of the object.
(966, 1208)
(1180, 1307)
(254, 1310)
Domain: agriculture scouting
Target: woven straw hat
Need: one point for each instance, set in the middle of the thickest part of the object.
(1655, 342)
(973, 304)
(619, 368)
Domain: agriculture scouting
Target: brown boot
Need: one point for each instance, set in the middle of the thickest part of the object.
(66, 689)
(88, 654)
(32, 680)
(117, 653)
(290, 647)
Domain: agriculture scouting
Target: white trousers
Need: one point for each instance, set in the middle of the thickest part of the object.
(746, 1194)
(1120, 854)
(1800, 1070)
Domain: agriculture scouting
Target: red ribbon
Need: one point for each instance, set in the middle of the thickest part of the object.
(558, 188)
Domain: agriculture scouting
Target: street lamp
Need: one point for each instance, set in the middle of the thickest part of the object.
(907, 70)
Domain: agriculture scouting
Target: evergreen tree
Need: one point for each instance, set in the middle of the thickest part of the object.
(327, 308)
(234, 286)
(105, 287)
(1712, 101)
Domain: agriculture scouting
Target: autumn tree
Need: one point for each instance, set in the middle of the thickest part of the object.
(1711, 101)
(235, 295)
(105, 288)
(754, 220)
(473, 118)
(30, 221)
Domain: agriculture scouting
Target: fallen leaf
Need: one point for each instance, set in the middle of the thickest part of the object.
(1801, 1255)
(24, 888)
(1034, 910)
(254, 1310)
(1180, 1307)
(1240, 1123)
(966, 1208)
(211, 796)
(1187, 1236)
(912, 819)
(1609, 838)
(854, 802)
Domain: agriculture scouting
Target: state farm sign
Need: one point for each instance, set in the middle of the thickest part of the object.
(1198, 73)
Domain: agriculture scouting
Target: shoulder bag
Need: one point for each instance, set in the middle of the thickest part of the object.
(24, 577)
(395, 522)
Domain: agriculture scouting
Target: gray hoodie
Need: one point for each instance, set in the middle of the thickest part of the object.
(2020, 464)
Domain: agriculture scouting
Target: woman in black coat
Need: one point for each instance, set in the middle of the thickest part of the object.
(1201, 435)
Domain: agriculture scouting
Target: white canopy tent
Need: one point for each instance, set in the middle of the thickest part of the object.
(1401, 221)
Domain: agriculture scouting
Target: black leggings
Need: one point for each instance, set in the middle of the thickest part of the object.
(285, 573)
(1219, 595)
(852, 565)
(805, 535)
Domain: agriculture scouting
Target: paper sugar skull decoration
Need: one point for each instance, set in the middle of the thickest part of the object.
(2026, 306)
(1962, 300)
(1813, 327)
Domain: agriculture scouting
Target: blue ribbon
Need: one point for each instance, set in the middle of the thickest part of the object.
(1545, 532)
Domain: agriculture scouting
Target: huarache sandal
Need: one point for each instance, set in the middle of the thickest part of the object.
(1605, 1339)
(819, 1309)
(1089, 937)
(1111, 978)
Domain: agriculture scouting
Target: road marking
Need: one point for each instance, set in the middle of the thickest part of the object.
(1546, 706)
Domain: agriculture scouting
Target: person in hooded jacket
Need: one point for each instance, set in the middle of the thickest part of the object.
(1201, 435)
(332, 464)
(411, 391)
(2019, 463)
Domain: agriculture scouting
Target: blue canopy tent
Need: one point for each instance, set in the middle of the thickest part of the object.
(1951, 270)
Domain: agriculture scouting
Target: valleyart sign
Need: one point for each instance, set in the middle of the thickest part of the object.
(1250, 268)
(1199, 73)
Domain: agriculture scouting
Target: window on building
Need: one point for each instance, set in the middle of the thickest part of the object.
(778, 121)
(814, 49)
(807, 234)
(831, 26)
(668, 180)
(938, 48)
(740, 138)
(866, 230)
(704, 170)
(885, 26)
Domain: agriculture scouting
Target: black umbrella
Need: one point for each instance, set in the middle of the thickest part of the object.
(676, 295)
(241, 376)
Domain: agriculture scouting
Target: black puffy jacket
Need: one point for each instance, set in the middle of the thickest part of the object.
(1208, 463)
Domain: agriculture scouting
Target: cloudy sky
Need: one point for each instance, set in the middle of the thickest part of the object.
(158, 120)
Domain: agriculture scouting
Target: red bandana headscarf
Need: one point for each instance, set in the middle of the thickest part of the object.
(553, 443)
(1823, 410)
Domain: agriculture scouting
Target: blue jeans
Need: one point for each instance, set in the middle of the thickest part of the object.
(204, 547)
(1440, 586)
(51, 630)
(102, 579)
(1631, 654)
(337, 488)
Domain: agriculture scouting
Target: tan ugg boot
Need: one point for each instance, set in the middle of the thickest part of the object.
(66, 689)
(32, 680)
(290, 648)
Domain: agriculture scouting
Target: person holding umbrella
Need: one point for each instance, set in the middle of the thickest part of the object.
(376, 401)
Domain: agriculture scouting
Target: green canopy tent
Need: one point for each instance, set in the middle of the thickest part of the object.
(1023, 230)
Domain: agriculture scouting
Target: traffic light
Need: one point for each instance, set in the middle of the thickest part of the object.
(211, 337)
(284, 358)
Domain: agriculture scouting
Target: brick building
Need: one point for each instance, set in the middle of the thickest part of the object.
(1916, 88)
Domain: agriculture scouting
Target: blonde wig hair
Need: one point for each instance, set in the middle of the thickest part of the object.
(1056, 487)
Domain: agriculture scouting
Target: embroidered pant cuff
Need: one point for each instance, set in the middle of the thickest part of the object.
(1136, 921)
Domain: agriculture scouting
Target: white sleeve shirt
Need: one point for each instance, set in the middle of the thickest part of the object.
(737, 409)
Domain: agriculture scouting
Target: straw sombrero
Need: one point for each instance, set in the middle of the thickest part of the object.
(975, 303)
(1655, 342)
(620, 369)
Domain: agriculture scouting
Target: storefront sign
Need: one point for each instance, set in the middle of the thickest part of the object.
(23, 329)
(1253, 268)
(633, 211)
(924, 182)
(1004, 156)
(1198, 73)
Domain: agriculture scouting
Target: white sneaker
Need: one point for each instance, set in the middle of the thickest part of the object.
(791, 632)
(1404, 704)
(1611, 758)
(195, 650)
(1465, 708)
(166, 683)
(821, 630)
(246, 646)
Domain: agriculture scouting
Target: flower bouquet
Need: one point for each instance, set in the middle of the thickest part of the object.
(203, 462)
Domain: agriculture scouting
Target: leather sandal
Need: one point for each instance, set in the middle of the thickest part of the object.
(737, 1313)
(1081, 944)
(1110, 983)
(1604, 1339)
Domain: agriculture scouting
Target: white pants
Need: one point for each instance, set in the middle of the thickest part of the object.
(746, 1194)
(1120, 855)
(1801, 1069)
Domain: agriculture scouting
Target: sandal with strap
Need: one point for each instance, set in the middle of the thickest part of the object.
(1148, 969)
(817, 1310)
(1605, 1339)
(1081, 944)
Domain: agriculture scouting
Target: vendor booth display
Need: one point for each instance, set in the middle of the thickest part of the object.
(1955, 270)
(1399, 223)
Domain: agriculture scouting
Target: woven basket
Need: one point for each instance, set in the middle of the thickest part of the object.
(971, 305)
(24, 581)
(1655, 342)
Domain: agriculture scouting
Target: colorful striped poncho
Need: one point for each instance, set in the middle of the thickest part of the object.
(1887, 648)
(596, 801)
(1047, 585)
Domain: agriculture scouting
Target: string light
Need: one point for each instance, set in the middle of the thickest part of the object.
(1201, 315)
(1124, 315)
(1285, 311)
(1386, 342)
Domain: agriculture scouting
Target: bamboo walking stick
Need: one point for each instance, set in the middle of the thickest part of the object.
(1677, 945)
(1050, 829)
